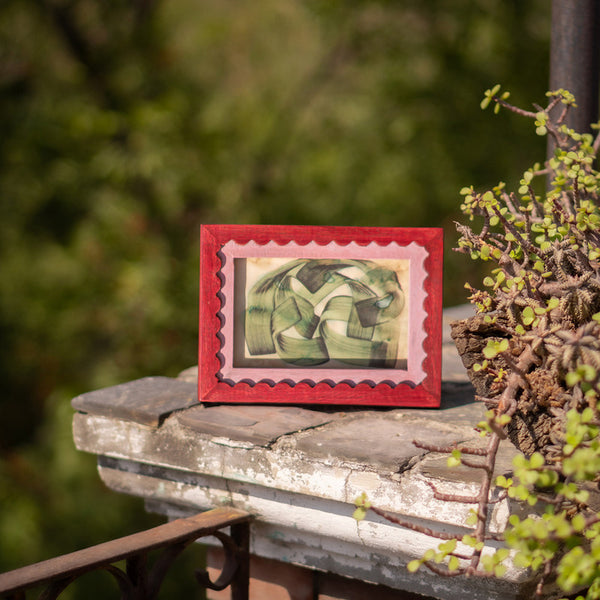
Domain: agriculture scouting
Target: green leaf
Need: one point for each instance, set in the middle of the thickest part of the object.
(448, 546)
(487, 562)
(429, 554)
(413, 566)
(488, 96)
(588, 371)
(503, 420)
(528, 315)
(587, 415)
(359, 514)
(553, 303)
(582, 496)
(578, 522)
(502, 481)
(472, 518)
(536, 461)
(522, 560)
(454, 459)
(495, 347)
(490, 351)
(362, 501)
(502, 554)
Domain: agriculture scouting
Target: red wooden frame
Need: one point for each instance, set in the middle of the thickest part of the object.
(214, 386)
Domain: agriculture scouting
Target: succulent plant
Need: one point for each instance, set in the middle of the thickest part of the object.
(532, 351)
(533, 348)
(537, 312)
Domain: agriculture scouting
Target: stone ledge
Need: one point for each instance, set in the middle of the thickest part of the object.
(147, 401)
(260, 425)
(298, 470)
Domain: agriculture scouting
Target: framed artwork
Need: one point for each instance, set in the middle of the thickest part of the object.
(321, 315)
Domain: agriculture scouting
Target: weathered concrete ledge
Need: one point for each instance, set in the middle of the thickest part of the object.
(299, 470)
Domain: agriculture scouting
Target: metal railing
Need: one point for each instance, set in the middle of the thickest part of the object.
(141, 580)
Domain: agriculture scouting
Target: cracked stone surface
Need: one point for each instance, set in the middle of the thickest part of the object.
(147, 401)
(385, 439)
(261, 425)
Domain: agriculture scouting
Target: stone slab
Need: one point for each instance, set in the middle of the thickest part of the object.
(260, 425)
(436, 465)
(385, 439)
(147, 401)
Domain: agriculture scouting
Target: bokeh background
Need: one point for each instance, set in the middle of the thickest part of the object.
(124, 124)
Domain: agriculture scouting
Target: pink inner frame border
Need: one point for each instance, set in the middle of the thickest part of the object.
(415, 372)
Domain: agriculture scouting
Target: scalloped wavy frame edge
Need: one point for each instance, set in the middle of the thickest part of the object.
(412, 376)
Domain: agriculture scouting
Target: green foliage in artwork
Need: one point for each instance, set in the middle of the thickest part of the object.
(282, 315)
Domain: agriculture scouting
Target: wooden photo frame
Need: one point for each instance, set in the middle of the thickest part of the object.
(321, 315)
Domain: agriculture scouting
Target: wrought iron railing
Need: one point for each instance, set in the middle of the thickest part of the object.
(141, 580)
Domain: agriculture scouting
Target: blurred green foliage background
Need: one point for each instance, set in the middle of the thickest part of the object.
(124, 124)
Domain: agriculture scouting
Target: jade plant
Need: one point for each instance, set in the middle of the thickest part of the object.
(532, 351)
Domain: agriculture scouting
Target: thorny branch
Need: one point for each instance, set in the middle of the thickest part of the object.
(448, 449)
(413, 526)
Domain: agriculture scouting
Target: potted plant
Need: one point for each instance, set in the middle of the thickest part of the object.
(536, 330)
(532, 351)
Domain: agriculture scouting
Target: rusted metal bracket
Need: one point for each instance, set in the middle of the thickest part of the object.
(236, 569)
(139, 581)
